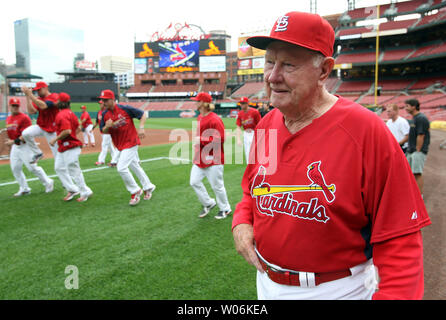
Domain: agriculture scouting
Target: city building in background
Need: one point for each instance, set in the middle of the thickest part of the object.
(116, 64)
(125, 79)
(36, 53)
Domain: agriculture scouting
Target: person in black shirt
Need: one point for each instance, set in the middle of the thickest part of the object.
(419, 139)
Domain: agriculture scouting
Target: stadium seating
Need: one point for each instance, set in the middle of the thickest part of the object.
(424, 83)
(140, 88)
(164, 105)
(249, 89)
(176, 88)
(188, 105)
(362, 57)
(354, 86)
(398, 54)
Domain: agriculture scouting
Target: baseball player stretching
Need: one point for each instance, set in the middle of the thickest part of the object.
(69, 148)
(46, 105)
(209, 158)
(247, 118)
(118, 121)
(87, 127)
(20, 153)
(107, 143)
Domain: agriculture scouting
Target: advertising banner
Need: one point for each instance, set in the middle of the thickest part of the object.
(140, 65)
(146, 49)
(244, 64)
(213, 64)
(245, 50)
(212, 47)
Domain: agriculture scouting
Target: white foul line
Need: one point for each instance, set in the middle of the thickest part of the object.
(101, 168)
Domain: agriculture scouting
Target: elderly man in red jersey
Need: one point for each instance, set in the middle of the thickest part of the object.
(45, 104)
(68, 151)
(117, 120)
(341, 199)
(21, 155)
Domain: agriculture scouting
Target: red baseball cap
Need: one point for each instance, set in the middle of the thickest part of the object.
(244, 100)
(64, 97)
(40, 85)
(107, 94)
(203, 96)
(14, 102)
(304, 29)
(84, 107)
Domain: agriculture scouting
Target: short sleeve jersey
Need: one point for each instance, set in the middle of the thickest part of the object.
(85, 115)
(46, 118)
(211, 132)
(123, 132)
(67, 120)
(248, 119)
(318, 199)
(15, 124)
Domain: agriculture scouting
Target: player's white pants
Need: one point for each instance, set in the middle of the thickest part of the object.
(361, 285)
(129, 158)
(247, 141)
(69, 172)
(21, 155)
(107, 145)
(88, 133)
(30, 133)
(214, 174)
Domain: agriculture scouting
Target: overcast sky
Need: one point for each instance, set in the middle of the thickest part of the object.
(111, 26)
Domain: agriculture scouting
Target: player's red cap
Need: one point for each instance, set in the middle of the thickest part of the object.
(244, 100)
(84, 107)
(304, 29)
(40, 85)
(14, 102)
(107, 94)
(64, 97)
(203, 96)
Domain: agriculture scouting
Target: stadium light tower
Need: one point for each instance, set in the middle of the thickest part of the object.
(313, 6)
(351, 4)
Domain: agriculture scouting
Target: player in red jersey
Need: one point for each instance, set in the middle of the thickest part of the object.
(87, 127)
(68, 151)
(46, 106)
(117, 120)
(20, 155)
(341, 199)
(209, 158)
(247, 119)
(107, 144)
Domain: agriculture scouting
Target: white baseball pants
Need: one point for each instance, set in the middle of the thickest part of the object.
(214, 174)
(107, 145)
(30, 133)
(248, 136)
(69, 172)
(88, 134)
(129, 158)
(21, 155)
(361, 285)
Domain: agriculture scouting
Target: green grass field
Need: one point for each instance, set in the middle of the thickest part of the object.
(159, 249)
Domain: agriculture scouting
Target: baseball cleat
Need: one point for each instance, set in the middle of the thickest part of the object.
(50, 187)
(84, 198)
(206, 210)
(136, 197)
(97, 163)
(222, 214)
(36, 158)
(22, 193)
(70, 195)
(148, 193)
(111, 164)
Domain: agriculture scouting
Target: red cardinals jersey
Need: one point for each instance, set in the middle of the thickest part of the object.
(47, 117)
(339, 185)
(85, 115)
(67, 120)
(123, 132)
(209, 151)
(15, 124)
(248, 119)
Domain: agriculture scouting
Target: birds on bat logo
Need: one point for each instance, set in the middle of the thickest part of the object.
(280, 199)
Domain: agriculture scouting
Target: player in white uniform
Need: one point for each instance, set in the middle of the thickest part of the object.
(21, 154)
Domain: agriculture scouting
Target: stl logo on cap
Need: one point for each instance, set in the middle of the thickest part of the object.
(282, 24)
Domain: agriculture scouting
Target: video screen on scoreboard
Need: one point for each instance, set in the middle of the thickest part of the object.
(178, 56)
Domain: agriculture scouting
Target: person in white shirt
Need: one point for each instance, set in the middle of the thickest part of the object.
(398, 126)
